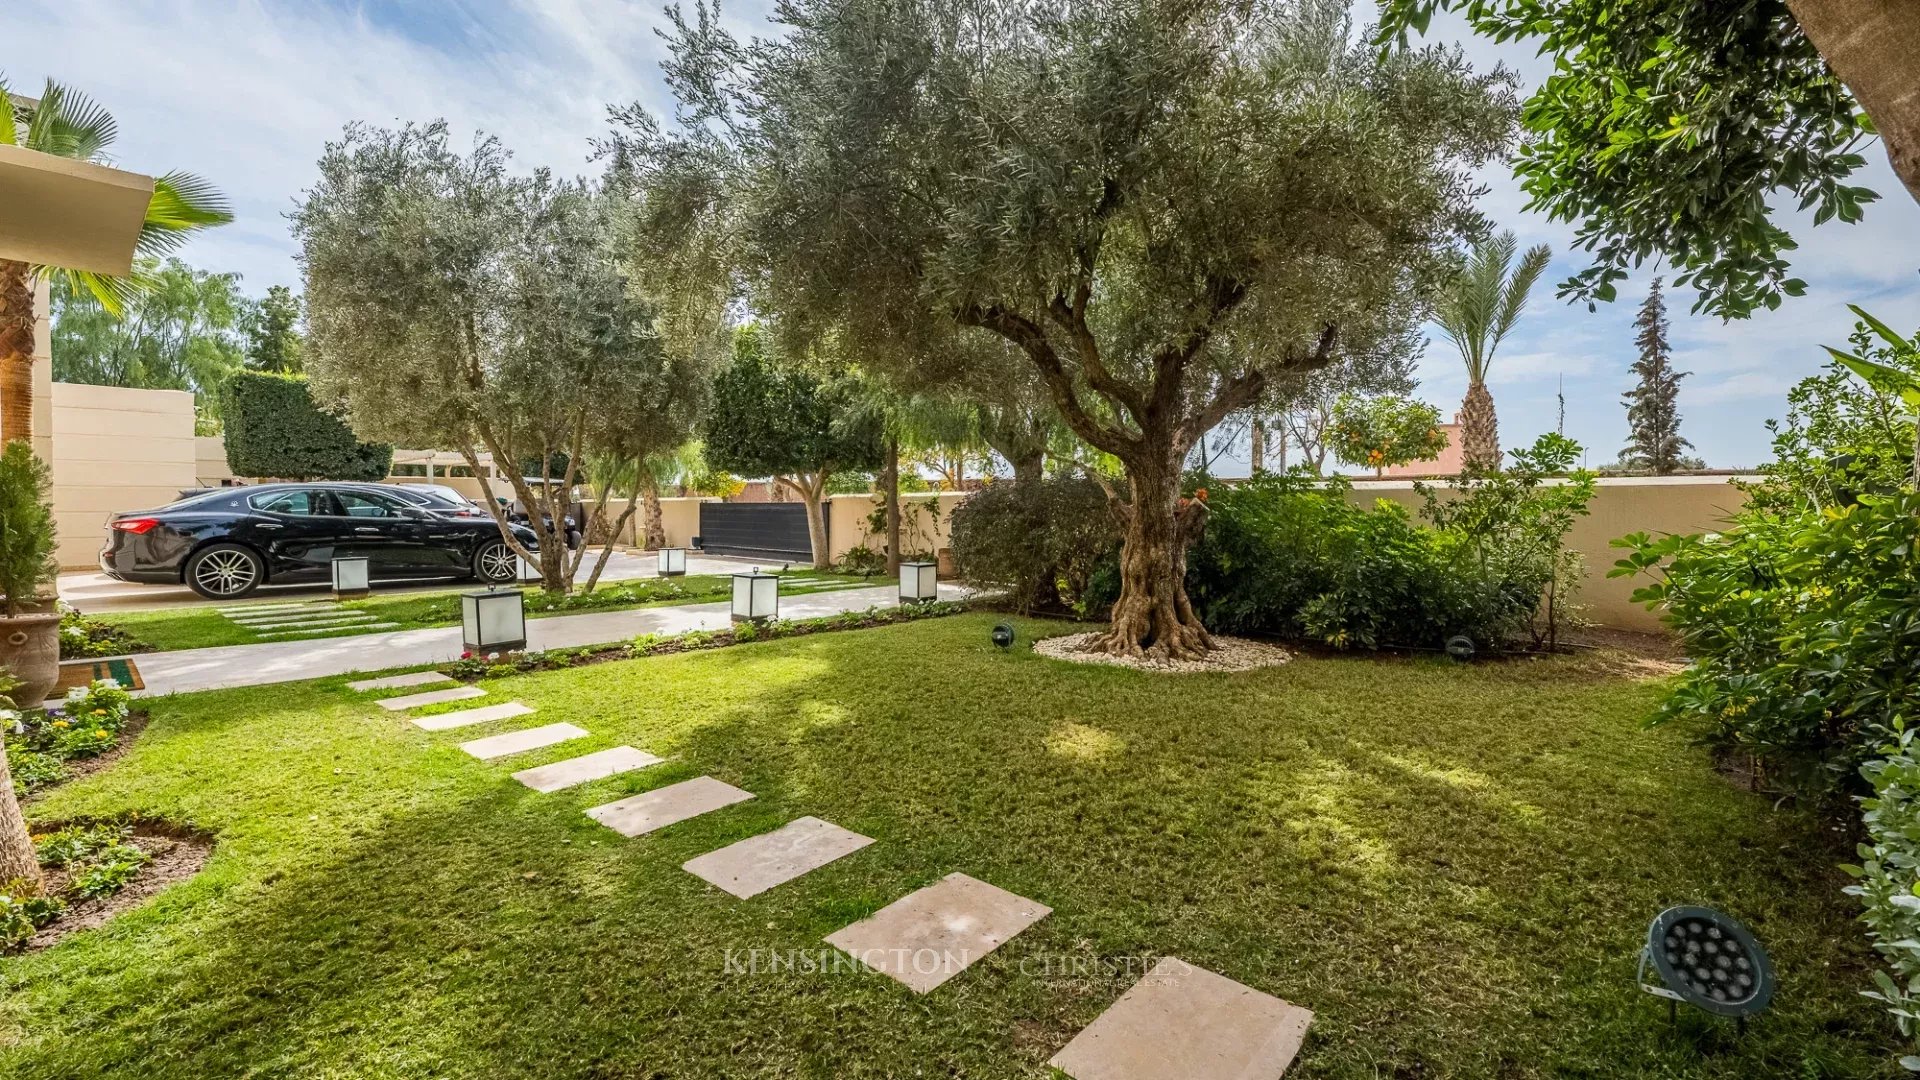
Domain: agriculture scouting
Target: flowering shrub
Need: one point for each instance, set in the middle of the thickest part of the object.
(83, 638)
(87, 723)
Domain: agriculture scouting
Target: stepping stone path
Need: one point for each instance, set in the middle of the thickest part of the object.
(1185, 1023)
(1178, 1023)
(288, 620)
(330, 630)
(666, 806)
(758, 863)
(431, 697)
(401, 682)
(595, 766)
(514, 742)
(447, 721)
(929, 936)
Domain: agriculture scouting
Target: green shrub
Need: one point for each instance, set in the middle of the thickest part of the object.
(26, 528)
(1041, 540)
(83, 638)
(108, 871)
(1803, 631)
(22, 912)
(274, 429)
(1889, 867)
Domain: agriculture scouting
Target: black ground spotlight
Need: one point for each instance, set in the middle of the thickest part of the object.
(1003, 635)
(1460, 647)
(1708, 960)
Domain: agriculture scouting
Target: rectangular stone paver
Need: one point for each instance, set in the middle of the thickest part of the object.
(334, 631)
(1186, 1023)
(447, 721)
(308, 624)
(666, 806)
(595, 766)
(929, 936)
(431, 697)
(398, 682)
(758, 863)
(514, 742)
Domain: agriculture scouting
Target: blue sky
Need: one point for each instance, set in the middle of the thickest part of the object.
(246, 92)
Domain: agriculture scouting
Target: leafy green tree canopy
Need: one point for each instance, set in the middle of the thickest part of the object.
(1667, 125)
(179, 332)
(1159, 204)
(272, 329)
(1381, 432)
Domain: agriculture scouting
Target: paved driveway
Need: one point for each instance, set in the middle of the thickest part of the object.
(96, 593)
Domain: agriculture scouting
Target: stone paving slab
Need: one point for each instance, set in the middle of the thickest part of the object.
(514, 742)
(666, 806)
(758, 863)
(322, 631)
(447, 721)
(397, 682)
(296, 613)
(595, 766)
(431, 697)
(1186, 1023)
(263, 609)
(929, 936)
(310, 624)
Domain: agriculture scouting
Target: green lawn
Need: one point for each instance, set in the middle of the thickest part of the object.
(1452, 865)
(205, 627)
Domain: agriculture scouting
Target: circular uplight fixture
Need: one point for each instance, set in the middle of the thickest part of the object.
(1708, 960)
(1003, 635)
(1460, 647)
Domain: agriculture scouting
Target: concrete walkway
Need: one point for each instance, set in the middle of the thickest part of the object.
(290, 661)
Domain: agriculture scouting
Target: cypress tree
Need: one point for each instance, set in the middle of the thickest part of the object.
(1654, 444)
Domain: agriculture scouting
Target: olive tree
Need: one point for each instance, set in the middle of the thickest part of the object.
(452, 305)
(1158, 204)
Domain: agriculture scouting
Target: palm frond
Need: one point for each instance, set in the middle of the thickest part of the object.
(66, 123)
(1485, 302)
(9, 128)
(182, 205)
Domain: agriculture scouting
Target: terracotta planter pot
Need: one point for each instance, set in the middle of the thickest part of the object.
(30, 651)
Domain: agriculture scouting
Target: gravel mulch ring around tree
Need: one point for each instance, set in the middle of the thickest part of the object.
(1229, 654)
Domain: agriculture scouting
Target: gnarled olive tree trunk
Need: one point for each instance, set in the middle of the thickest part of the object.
(1153, 617)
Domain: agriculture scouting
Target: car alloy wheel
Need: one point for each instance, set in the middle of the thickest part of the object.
(228, 572)
(497, 562)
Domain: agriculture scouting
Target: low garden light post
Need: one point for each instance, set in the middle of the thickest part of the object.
(919, 582)
(756, 596)
(673, 562)
(350, 577)
(528, 572)
(493, 621)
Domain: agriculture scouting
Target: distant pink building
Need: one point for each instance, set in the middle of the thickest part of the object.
(1447, 464)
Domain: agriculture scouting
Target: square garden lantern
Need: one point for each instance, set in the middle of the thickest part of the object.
(493, 621)
(673, 562)
(528, 571)
(756, 596)
(919, 582)
(350, 577)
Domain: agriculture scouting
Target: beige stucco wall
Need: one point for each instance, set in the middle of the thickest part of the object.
(922, 526)
(1622, 505)
(115, 449)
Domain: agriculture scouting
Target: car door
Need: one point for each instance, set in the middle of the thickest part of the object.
(291, 527)
(382, 528)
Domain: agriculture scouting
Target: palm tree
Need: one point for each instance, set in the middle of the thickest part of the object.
(1475, 314)
(70, 125)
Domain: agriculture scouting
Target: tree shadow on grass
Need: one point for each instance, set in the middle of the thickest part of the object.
(1452, 867)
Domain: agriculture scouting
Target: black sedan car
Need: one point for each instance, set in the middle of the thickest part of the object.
(228, 542)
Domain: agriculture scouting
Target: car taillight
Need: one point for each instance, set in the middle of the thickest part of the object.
(133, 525)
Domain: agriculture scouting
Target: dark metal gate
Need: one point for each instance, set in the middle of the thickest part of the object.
(771, 531)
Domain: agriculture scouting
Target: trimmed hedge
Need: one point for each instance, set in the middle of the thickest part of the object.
(273, 429)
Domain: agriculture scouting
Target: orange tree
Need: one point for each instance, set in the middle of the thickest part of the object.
(1380, 432)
